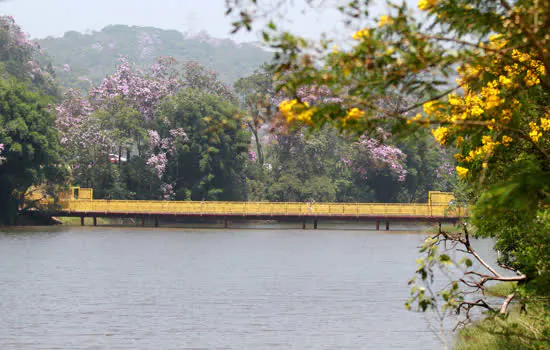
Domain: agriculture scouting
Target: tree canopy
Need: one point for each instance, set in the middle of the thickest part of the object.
(477, 75)
(30, 153)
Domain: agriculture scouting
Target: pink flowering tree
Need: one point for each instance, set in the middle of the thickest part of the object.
(114, 122)
(119, 121)
(19, 56)
(370, 157)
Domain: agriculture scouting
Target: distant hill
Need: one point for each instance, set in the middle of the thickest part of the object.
(79, 58)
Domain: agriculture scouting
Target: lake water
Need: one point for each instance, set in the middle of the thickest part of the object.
(246, 288)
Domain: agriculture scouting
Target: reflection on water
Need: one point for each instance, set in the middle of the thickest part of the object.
(145, 288)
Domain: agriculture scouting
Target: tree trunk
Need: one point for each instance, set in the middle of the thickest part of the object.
(258, 146)
(8, 207)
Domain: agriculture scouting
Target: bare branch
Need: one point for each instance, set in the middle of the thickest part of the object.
(504, 306)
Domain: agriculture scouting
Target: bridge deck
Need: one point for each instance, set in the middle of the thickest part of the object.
(260, 210)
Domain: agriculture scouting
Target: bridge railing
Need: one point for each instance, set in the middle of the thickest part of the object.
(258, 208)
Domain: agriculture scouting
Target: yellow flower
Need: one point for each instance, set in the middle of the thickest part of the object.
(430, 107)
(531, 78)
(506, 116)
(440, 134)
(497, 41)
(306, 115)
(493, 101)
(462, 172)
(506, 140)
(385, 20)
(287, 105)
(477, 111)
(417, 119)
(354, 113)
(495, 37)
(459, 141)
(506, 82)
(520, 56)
(426, 4)
(335, 49)
(363, 33)
(454, 100)
(535, 134)
(545, 122)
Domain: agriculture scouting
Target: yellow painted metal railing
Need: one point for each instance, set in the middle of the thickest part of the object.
(260, 208)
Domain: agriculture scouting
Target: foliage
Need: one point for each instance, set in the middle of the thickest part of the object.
(256, 94)
(19, 58)
(29, 147)
(115, 121)
(495, 117)
(519, 330)
(211, 164)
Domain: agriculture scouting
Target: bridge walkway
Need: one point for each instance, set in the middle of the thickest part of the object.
(437, 209)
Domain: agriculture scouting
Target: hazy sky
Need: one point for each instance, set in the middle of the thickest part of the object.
(42, 18)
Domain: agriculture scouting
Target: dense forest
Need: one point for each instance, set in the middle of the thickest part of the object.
(163, 128)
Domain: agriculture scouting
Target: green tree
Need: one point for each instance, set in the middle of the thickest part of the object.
(211, 163)
(30, 146)
(257, 93)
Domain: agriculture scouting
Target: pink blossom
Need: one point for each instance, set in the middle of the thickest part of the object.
(252, 156)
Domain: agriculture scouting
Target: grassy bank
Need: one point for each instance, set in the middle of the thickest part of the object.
(529, 329)
(501, 289)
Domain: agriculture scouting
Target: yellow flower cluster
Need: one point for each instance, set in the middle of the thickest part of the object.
(491, 95)
(487, 148)
(535, 134)
(440, 134)
(363, 33)
(487, 104)
(426, 4)
(531, 68)
(293, 111)
(352, 114)
(384, 20)
(545, 122)
(506, 140)
(462, 172)
(286, 106)
(431, 107)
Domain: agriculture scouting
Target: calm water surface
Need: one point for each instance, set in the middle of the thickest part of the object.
(134, 288)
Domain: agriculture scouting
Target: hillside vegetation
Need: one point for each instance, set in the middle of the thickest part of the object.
(81, 60)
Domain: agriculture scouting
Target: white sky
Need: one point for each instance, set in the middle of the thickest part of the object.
(41, 18)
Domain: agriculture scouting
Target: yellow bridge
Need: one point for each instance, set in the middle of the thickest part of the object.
(80, 203)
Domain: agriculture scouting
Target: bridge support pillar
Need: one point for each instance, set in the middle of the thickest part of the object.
(95, 220)
(82, 221)
(387, 225)
(156, 221)
(315, 224)
(303, 224)
(377, 225)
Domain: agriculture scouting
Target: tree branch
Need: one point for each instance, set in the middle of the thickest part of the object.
(504, 306)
